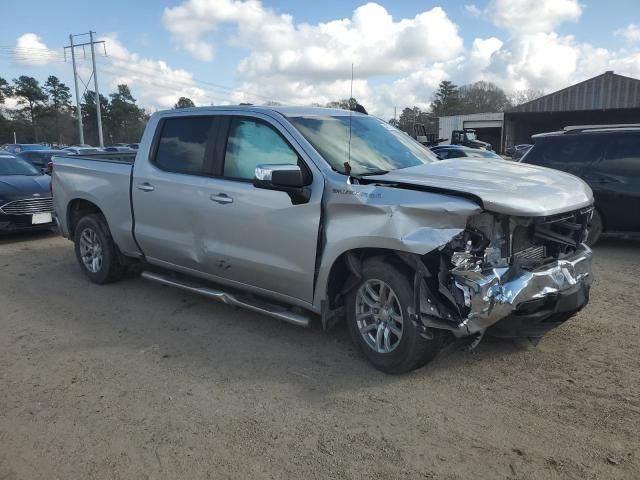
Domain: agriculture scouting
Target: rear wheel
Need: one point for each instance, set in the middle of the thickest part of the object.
(95, 250)
(379, 322)
(595, 229)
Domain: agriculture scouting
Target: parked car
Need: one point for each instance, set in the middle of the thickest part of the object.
(134, 145)
(25, 196)
(24, 147)
(455, 151)
(267, 208)
(41, 159)
(608, 159)
(80, 150)
(117, 149)
(517, 151)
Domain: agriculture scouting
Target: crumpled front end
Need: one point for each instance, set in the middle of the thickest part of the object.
(514, 276)
(528, 300)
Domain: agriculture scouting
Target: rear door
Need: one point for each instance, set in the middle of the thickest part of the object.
(171, 189)
(615, 181)
(573, 154)
(258, 237)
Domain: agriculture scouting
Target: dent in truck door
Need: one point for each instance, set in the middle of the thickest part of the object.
(254, 236)
(170, 190)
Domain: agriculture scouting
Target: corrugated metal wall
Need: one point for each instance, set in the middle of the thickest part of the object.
(446, 125)
(606, 91)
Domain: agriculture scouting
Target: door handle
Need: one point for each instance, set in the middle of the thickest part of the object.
(221, 198)
(146, 187)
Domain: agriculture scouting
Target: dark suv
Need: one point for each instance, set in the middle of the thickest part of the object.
(605, 157)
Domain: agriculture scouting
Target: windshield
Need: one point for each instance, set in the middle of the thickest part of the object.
(16, 166)
(470, 135)
(376, 146)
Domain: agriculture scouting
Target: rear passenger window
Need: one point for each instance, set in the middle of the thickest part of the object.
(563, 150)
(623, 155)
(182, 147)
(252, 143)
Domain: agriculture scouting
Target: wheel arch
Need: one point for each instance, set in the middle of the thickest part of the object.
(345, 273)
(77, 209)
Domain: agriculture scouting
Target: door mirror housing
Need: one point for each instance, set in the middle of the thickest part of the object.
(283, 178)
(278, 177)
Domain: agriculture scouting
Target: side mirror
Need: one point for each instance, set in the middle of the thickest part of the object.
(278, 177)
(283, 178)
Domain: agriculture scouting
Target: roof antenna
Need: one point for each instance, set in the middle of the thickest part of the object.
(347, 164)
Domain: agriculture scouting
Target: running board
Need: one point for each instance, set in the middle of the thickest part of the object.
(249, 303)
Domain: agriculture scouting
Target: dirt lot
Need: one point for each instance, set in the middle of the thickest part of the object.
(135, 380)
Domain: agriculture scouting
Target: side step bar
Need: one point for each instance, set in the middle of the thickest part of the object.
(250, 303)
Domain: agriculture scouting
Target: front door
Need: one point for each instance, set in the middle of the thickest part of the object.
(254, 236)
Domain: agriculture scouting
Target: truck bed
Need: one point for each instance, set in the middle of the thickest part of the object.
(100, 179)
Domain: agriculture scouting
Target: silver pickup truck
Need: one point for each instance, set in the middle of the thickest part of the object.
(303, 213)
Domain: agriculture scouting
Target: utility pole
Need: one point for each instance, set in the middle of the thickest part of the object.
(94, 74)
(95, 82)
(75, 80)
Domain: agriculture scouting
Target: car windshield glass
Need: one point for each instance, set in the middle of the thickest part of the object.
(470, 135)
(376, 146)
(16, 166)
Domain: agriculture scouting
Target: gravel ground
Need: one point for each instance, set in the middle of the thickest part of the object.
(136, 380)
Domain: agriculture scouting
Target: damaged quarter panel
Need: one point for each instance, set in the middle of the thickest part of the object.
(385, 217)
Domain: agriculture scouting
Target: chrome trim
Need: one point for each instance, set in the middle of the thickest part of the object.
(497, 293)
(28, 206)
(253, 304)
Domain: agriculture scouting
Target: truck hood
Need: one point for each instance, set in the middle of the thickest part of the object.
(503, 186)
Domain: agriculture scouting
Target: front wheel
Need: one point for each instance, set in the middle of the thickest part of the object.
(379, 322)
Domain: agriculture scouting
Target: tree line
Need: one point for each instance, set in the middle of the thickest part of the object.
(45, 114)
(449, 99)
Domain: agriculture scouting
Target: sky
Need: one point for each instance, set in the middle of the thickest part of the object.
(301, 52)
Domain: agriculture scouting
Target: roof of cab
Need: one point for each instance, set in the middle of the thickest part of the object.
(287, 111)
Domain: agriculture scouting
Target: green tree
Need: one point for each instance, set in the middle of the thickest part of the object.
(127, 119)
(29, 93)
(344, 104)
(5, 90)
(482, 97)
(60, 99)
(89, 116)
(413, 116)
(445, 101)
(184, 102)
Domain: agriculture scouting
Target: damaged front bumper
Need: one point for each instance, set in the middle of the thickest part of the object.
(523, 303)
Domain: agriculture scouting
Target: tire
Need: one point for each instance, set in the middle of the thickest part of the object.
(412, 350)
(596, 227)
(93, 230)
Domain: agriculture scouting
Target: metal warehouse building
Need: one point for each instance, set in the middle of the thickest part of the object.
(606, 99)
(488, 127)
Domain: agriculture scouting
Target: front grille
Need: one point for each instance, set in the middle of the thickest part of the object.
(531, 257)
(28, 206)
(544, 239)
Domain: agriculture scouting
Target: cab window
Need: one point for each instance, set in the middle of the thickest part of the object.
(252, 143)
(182, 146)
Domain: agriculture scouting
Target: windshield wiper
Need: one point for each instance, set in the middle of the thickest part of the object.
(374, 172)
